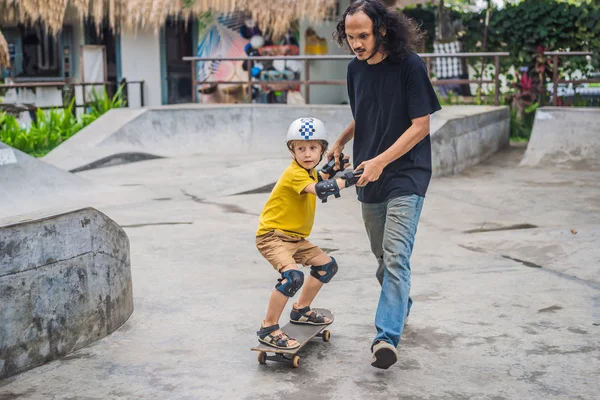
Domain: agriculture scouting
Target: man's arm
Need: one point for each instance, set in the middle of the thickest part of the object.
(409, 139)
(346, 135)
(413, 135)
(339, 144)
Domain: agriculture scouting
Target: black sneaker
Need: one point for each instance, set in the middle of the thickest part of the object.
(384, 355)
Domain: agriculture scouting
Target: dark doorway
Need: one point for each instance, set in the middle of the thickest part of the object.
(179, 43)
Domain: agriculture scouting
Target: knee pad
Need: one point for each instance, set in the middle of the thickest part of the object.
(295, 280)
(330, 269)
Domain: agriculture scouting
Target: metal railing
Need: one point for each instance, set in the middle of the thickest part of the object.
(307, 82)
(555, 75)
(62, 85)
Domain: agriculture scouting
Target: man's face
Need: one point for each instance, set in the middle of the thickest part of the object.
(359, 33)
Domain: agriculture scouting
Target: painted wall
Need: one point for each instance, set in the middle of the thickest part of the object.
(324, 70)
(140, 59)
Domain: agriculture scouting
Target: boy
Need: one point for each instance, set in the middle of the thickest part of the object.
(287, 220)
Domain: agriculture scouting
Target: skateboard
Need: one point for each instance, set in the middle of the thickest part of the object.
(302, 333)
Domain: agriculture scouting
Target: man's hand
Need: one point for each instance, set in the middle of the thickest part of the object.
(372, 170)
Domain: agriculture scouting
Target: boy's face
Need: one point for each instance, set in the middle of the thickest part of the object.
(307, 153)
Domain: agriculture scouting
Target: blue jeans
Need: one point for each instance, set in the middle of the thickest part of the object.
(391, 227)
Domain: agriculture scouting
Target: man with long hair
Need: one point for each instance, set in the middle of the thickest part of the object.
(391, 98)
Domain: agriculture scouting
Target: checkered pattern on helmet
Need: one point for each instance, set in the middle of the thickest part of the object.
(307, 128)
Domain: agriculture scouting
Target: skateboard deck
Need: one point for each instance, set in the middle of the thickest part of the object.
(302, 333)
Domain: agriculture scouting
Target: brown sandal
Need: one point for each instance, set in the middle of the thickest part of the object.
(279, 341)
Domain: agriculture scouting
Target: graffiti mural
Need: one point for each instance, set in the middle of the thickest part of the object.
(237, 35)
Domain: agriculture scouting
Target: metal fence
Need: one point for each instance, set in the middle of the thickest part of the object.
(556, 80)
(306, 82)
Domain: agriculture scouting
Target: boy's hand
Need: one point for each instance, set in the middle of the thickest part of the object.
(332, 168)
(351, 177)
(334, 153)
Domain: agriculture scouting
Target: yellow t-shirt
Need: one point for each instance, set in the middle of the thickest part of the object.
(288, 209)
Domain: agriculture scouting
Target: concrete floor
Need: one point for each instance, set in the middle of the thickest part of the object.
(506, 283)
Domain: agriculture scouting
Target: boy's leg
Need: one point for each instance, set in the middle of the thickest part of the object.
(279, 253)
(277, 303)
(311, 284)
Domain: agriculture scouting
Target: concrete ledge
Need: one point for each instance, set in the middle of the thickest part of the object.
(462, 135)
(65, 282)
(467, 135)
(565, 137)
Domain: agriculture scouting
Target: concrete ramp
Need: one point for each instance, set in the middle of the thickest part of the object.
(565, 137)
(192, 129)
(68, 157)
(25, 179)
(462, 136)
(65, 282)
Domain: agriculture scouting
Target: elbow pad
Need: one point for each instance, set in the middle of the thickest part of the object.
(327, 188)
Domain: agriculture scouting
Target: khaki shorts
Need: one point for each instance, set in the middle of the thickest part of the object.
(280, 249)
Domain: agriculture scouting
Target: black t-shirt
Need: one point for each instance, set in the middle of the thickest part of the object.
(384, 98)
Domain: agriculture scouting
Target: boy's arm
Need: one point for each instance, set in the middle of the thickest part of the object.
(312, 190)
(329, 187)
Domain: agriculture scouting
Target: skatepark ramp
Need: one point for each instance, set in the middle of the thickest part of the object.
(25, 179)
(462, 135)
(65, 282)
(565, 137)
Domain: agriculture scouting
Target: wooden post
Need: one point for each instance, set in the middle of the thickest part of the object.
(555, 80)
(497, 81)
(124, 91)
(194, 83)
(249, 92)
(428, 62)
(83, 85)
(306, 82)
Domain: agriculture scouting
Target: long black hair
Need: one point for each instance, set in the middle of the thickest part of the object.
(402, 34)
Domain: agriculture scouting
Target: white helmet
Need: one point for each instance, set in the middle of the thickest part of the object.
(307, 128)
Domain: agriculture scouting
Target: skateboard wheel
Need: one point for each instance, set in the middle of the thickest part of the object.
(296, 361)
(326, 335)
(262, 357)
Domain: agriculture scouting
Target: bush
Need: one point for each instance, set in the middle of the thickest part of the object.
(53, 127)
(530, 26)
(521, 126)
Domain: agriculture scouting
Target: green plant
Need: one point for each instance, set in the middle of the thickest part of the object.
(521, 125)
(10, 130)
(102, 102)
(53, 127)
(49, 129)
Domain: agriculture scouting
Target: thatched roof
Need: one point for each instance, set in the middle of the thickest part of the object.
(132, 15)
(4, 58)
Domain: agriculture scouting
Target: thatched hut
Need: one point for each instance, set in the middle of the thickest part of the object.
(135, 15)
(145, 42)
(131, 15)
